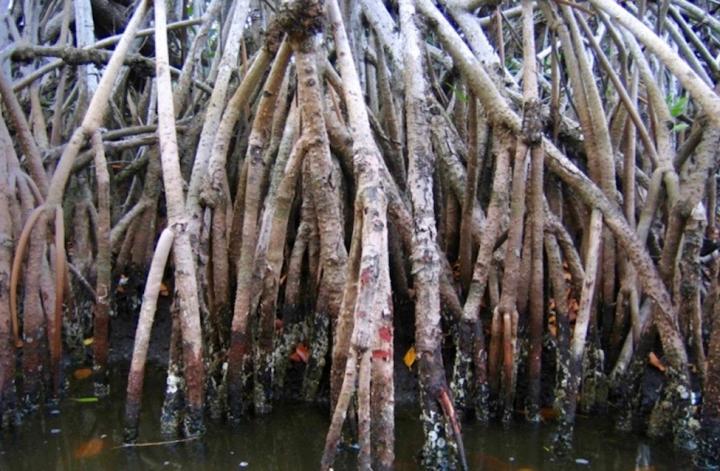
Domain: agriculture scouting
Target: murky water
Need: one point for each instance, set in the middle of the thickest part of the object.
(88, 436)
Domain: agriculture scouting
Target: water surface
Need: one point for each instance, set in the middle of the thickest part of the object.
(88, 436)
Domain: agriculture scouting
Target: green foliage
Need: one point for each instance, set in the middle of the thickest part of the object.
(460, 93)
(513, 65)
(677, 106)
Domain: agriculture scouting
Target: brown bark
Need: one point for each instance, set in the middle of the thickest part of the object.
(102, 288)
(185, 274)
(369, 286)
(247, 287)
(142, 335)
(424, 255)
(563, 439)
(7, 345)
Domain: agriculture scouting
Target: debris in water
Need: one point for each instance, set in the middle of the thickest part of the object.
(244, 464)
(54, 431)
(82, 373)
(90, 448)
(582, 461)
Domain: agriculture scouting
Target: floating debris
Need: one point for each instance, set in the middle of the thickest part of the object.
(90, 448)
(82, 373)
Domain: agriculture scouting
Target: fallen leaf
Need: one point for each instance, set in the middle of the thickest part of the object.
(548, 413)
(409, 357)
(279, 324)
(164, 291)
(301, 353)
(82, 373)
(89, 341)
(90, 448)
(656, 362)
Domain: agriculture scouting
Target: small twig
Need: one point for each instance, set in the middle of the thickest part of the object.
(81, 279)
(147, 444)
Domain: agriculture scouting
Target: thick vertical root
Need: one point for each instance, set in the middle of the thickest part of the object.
(142, 336)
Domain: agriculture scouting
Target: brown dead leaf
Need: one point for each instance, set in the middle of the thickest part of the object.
(548, 414)
(90, 448)
(82, 373)
(656, 362)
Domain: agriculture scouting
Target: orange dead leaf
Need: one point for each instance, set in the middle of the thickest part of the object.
(656, 362)
(164, 291)
(82, 373)
(90, 448)
(301, 353)
(410, 357)
(548, 413)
